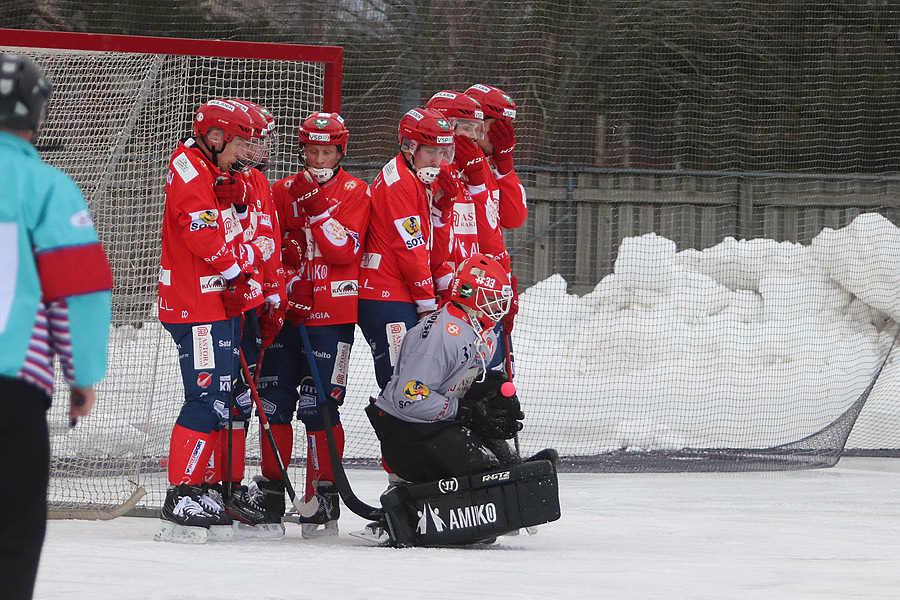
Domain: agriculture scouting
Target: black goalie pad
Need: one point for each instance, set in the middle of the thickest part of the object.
(472, 508)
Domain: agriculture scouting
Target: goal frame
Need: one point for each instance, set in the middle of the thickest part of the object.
(331, 56)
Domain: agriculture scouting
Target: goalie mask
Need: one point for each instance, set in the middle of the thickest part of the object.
(482, 289)
(495, 103)
(463, 112)
(24, 91)
(426, 131)
(323, 129)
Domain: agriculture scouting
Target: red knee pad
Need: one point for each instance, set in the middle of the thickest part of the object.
(318, 461)
(189, 453)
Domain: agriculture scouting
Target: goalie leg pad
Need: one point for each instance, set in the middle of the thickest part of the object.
(472, 509)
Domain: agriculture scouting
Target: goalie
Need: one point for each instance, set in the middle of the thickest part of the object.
(443, 414)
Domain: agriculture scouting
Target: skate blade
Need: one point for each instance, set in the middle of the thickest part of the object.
(312, 531)
(263, 531)
(220, 533)
(179, 534)
(532, 530)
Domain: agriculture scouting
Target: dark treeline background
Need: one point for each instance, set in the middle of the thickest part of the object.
(758, 85)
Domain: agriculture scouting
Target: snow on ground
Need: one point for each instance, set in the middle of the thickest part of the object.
(745, 344)
(824, 534)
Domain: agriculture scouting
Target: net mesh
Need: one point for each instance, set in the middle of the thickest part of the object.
(708, 266)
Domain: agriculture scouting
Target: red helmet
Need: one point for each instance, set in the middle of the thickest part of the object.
(425, 126)
(481, 287)
(263, 121)
(221, 114)
(495, 103)
(325, 129)
(455, 105)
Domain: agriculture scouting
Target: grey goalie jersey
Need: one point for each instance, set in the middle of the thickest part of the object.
(439, 359)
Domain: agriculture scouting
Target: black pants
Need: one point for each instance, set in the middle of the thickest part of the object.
(25, 448)
(423, 452)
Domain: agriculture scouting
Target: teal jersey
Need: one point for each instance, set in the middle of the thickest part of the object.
(43, 211)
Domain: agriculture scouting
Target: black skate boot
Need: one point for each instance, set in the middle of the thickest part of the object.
(183, 519)
(325, 522)
(251, 520)
(271, 498)
(222, 527)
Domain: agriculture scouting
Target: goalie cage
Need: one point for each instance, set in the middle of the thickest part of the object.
(119, 107)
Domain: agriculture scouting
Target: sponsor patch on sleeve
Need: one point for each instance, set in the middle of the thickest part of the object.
(184, 168)
(410, 229)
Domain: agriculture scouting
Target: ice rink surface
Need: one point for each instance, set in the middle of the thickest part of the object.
(830, 533)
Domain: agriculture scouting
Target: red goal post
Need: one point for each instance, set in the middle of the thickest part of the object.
(119, 108)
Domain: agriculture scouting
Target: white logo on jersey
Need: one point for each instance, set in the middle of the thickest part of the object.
(390, 174)
(212, 283)
(370, 260)
(184, 167)
(340, 289)
(464, 218)
(493, 209)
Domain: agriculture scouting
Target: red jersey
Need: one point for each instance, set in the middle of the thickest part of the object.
(197, 239)
(261, 229)
(397, 263)
(333, 245)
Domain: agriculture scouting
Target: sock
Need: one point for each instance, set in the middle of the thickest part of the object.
(318, 462)
(238, 454)
(284, 439)
(189, 453)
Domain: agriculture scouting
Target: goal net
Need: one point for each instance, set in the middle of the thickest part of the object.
(115, 117)
(705, 284)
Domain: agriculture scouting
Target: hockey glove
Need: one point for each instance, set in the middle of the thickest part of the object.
(503, 138)
(271, 320)
(300, 302)
(293, 248)
(305, 190)
(237, 292)
(470, 159)
(509, 317)
(445, 196)
(487, 412)
(233, 191)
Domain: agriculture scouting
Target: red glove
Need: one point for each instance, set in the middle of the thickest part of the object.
(470, 159)
(300, 302)
(271, 320)
(233, 296)
(233, 191)
(305, 190)
(293, 249)
(513, 306)
(446, 192)
(503, 138)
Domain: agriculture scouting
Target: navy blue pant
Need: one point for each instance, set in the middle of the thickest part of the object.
(209, 361)
(384, 324)
(285, 380)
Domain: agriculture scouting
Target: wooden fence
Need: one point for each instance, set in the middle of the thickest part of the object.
(577, 217)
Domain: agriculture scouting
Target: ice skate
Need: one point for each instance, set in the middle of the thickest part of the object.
(325, 522)
(221, 528)
(183, 519)
(250, 519)
(375, 533)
